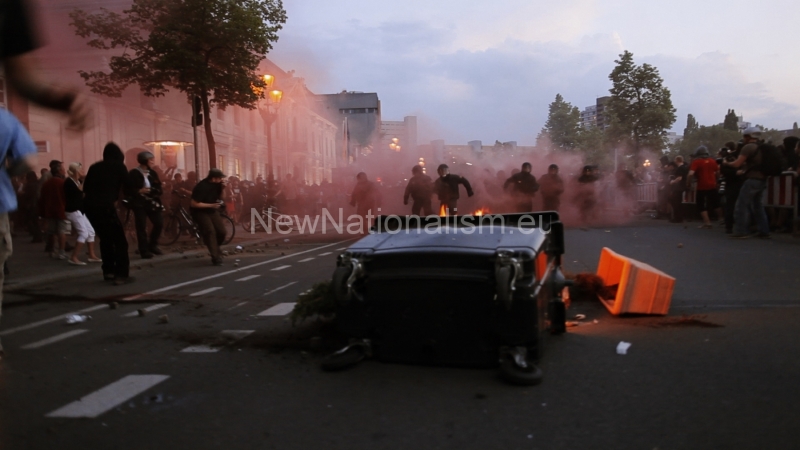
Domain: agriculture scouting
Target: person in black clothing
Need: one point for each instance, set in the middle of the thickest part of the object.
(102, 187)
(206, 202)
(522, 186)
(677, 185)
(552, 186)
(585, 196)
(446, 187)
(144, 194)
(420, 189)
(732, 182)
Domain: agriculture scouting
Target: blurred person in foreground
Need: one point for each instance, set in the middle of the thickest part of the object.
(17, 40)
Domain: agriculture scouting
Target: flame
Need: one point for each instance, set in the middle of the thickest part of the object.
(481, 211)
(442, 211)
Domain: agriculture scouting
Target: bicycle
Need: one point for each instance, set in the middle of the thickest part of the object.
(180, 222)
(268, 214)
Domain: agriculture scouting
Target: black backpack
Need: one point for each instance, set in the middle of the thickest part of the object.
(772, 161)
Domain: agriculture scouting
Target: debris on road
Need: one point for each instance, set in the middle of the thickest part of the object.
(580, 317)
(113, 305)
(163, 319)
(142, 312)
(77, 318)
(680, 245)
(622, 348)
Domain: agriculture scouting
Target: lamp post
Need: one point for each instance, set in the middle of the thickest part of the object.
(269, 112)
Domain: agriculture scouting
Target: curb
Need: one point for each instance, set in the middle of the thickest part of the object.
(24, 283)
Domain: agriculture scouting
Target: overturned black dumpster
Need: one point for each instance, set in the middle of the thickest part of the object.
(472, 291)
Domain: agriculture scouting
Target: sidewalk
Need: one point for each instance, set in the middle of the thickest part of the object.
(30, 266)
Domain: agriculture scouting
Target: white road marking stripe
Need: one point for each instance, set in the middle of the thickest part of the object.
(109, 397)
(281, 309)
(222, 274)
(234, 307)
(200, 349)
(59, 337)
(306, 260)
(340, 249)
(325, 254)
(281, 268)
(250, 277)
(279, 288)
(205, 291)
(50, 320)
(148, 309)
(232, 335)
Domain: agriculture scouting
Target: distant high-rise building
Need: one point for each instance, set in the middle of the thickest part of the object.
(399, 136)
(595, 115)
(589, 117)
(358, 116)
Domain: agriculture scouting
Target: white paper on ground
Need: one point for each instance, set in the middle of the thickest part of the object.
(622, 347)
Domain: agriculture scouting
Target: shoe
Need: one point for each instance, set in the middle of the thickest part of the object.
(120, 281)
(96, 260)
(76, 263)
(216, 262)
(147, 255)
(156, 251)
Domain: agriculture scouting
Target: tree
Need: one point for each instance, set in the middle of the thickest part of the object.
(713, 137)
(592, 144)
(563, 124)
(731, 121)
(205, 48)
(691, 126)
(640, 108)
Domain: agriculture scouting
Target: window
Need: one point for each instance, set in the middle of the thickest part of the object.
(221, 162)
(237, 116)
(253, 170)
(237, 166)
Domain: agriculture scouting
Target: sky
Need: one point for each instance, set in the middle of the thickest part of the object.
(488, 70)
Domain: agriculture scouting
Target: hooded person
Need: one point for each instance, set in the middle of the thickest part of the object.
(446, 187)
(420, 189)
(522, 186)
(102, 188)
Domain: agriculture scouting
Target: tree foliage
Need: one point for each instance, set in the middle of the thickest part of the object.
(640, 109)
(563, 124)
(731, 121)
(691, 126)
(713, 137)
(205, 48)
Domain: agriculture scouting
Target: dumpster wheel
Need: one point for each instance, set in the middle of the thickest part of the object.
(515, 369)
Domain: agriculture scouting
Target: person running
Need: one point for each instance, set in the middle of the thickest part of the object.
(73, 193)
(205, 205)
(446, 187)
(420, 189)
(522, 186)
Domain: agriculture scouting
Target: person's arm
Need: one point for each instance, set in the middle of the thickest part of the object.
(737, 163)
(466, 184)
(407, 193)
(200, 205)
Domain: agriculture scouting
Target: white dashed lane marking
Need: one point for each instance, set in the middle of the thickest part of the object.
(234, 307)
(50, 320)
(56, 338)
(279, 288)
(205, 291)
(109, 397)
(230, 335)
(148, 309)
(248, 278)
(281, 309)
(306, 260)
(340, 249)
(281, 268)
(325, 254)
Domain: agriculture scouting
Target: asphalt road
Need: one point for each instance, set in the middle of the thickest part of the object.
(229, 371)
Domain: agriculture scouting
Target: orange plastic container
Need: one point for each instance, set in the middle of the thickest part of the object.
(642, 289)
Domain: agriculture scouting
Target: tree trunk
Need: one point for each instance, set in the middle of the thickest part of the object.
(212, 147)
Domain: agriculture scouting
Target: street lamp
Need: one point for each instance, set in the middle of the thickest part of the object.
(269, 112)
